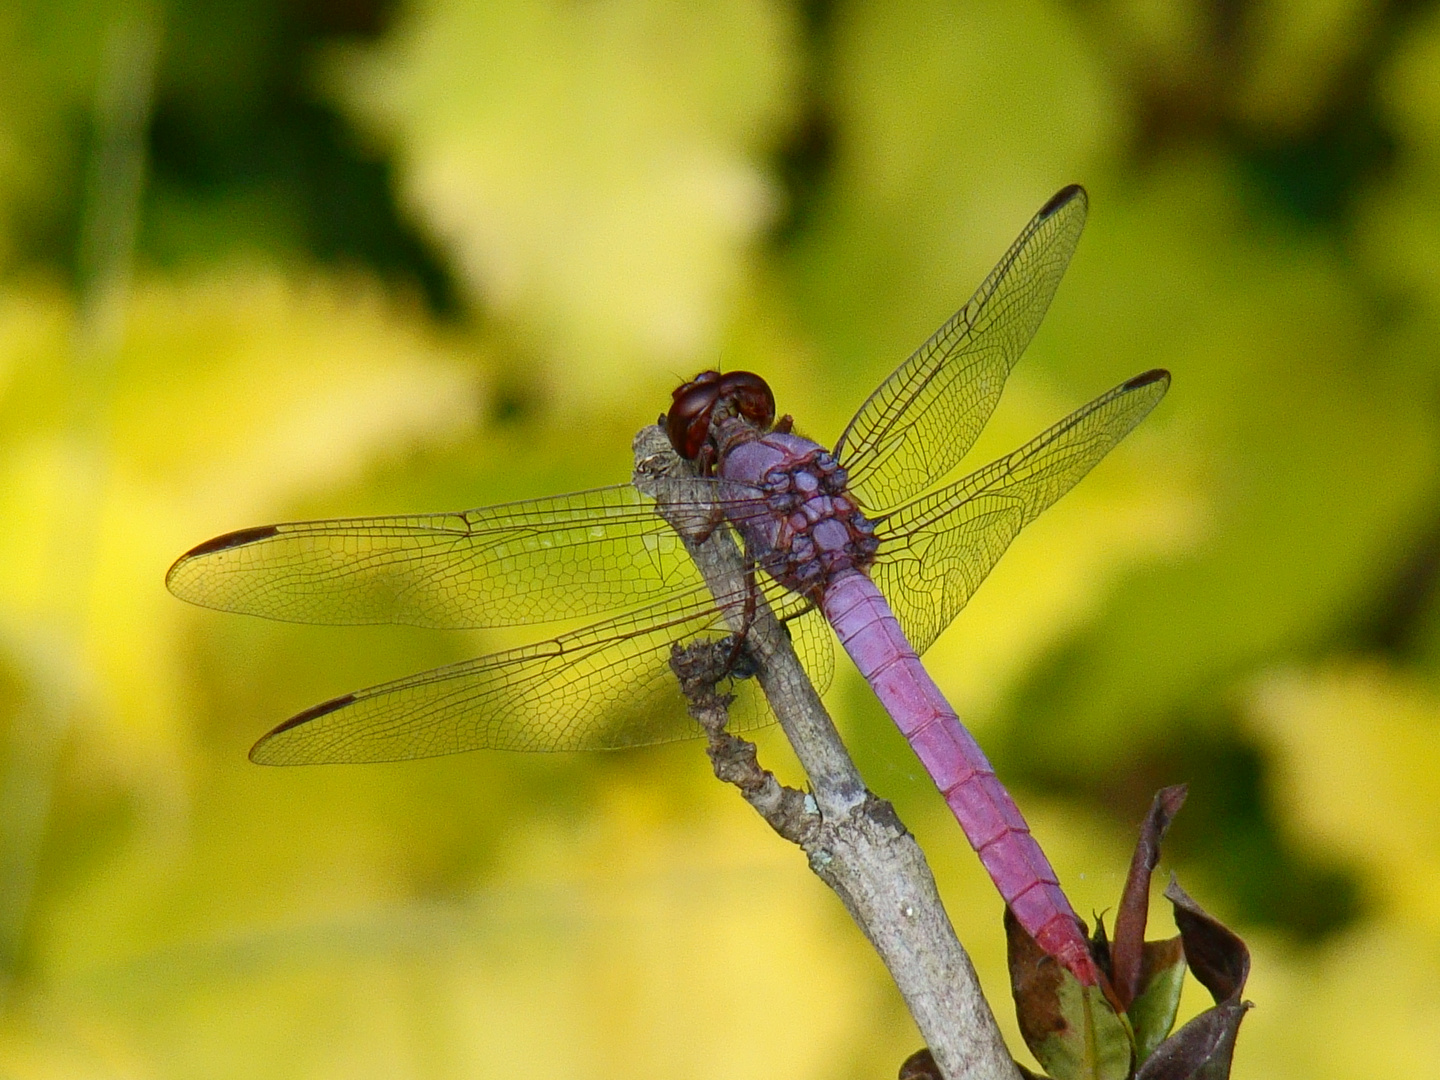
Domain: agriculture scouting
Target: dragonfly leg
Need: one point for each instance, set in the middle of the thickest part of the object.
(747, 617)
(785, 425)
(705, 460)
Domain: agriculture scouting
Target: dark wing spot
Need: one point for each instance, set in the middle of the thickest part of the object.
(312, 713)
(231, 539)
(1145, 379)
(1059, 199)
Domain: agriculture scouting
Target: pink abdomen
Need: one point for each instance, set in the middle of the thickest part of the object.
(988, 815)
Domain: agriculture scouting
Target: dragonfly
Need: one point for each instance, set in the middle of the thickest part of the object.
(862, 544)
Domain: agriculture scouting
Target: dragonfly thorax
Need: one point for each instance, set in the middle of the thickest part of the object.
(804, 529)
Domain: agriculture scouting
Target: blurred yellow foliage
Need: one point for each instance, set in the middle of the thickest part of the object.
(623, 192)
(624, 135)
(1357, 760)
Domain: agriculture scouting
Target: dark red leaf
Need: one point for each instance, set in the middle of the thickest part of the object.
(1201, 1050)
(1100, 947)
(920, 1066)
(1217, 956)
(1126, 952)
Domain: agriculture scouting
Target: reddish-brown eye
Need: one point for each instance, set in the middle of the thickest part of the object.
(752, 396)
(688, 421)
(705, 378)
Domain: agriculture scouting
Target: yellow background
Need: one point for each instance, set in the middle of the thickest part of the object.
(571, 206)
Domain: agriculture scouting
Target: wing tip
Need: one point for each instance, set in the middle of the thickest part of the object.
(258, 753)
(1063, 197)
(1147, 378)
(225, 541)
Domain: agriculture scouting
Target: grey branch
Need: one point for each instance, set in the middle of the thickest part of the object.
(853, 840)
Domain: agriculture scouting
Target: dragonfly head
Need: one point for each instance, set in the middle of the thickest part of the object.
(711, 396)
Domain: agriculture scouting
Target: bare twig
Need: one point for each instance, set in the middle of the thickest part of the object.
(853, 840)
(699, 667)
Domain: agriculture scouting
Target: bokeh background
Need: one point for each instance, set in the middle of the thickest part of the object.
(267, 259)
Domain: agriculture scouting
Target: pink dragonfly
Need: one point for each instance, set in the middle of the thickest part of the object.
(855, 538)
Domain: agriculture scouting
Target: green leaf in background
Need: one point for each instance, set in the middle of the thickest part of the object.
(1271, 432)
(1157, 999)
(50, 54)
(1073, 1030)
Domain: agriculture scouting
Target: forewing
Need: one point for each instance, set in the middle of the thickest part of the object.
(935, 551)
(535, 561)
(921, 420)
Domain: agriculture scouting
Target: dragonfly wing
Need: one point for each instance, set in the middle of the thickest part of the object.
(935, 551)
(535, 561)
(605, 686)
(810, 635)
(920, 421)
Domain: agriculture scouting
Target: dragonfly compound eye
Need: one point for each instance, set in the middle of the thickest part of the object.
(688, 421)
(752, 396)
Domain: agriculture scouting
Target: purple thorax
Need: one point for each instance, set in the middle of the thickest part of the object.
(807, 532)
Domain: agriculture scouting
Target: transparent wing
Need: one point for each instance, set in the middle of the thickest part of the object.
(920, 421)
(605, 686)
(812, 638)
(535, 561)
(935, 551)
